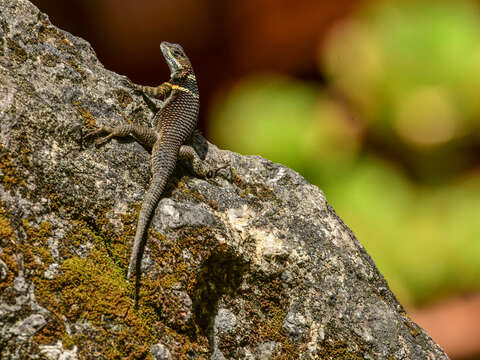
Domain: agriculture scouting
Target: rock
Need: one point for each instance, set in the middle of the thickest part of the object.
(250, 264)
(57, 352)
(160, 352)
(3, 271)
(266, 350)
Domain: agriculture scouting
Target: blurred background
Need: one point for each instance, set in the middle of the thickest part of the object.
(376, 102)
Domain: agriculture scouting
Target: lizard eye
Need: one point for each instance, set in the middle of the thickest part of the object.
(176, 52)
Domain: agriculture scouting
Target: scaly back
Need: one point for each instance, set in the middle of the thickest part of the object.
(178, 117)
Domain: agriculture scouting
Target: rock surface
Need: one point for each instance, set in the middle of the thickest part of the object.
(253, 264)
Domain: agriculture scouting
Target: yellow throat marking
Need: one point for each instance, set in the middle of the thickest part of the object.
(181, 88)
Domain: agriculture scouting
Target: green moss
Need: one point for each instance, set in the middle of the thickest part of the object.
(338, 350)
(86, 115)
(75, 66)
(173, 270)
(272, 327)
(17, 52)
(79, 234)
(10, 175)
(47, 31)
(273, 304)
(36, 247)
(91, 288)
(260, 191)
(192, 194)
(123, 97)
(187, 347)
(94, 289)
(266, 309)
(6, 242)
(289, 350)
(6, 230)
(49, 60)
(168, 280)
(37, 258)
(51, 332)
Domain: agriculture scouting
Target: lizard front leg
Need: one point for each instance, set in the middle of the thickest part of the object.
(160, 91)
(143, 134)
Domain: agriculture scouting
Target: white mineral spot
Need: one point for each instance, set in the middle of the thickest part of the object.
(160, 352)
(238, 217)
(19, 284)
(280, 174)
(169, 209)
(267, 244)
(51, 271)
(225, 320)
(56, 352)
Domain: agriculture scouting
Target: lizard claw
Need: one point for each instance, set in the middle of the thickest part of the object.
(126, 82)
(103, 140)
(137, 88)
(94, 132)
(212, 173)
(97, 131)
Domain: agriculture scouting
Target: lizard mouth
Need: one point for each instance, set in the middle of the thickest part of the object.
(165, 46)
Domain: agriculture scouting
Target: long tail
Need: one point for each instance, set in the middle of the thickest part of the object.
(152, 197)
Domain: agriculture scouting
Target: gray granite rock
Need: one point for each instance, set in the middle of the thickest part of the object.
(252, 264)
(160, 352)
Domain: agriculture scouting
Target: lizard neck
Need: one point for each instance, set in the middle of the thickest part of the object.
(182, 74)
(186, 80)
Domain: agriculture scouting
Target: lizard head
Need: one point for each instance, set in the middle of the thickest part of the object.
(176, 58)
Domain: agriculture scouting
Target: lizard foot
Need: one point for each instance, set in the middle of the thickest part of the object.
(214, 172)
(97, 131)
(126, 82)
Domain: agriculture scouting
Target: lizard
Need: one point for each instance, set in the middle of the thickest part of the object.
(173, 127)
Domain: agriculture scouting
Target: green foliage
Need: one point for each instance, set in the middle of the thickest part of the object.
(413, 68)
(273, 110)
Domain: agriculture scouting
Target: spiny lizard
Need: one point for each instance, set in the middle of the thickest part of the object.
(173, 126)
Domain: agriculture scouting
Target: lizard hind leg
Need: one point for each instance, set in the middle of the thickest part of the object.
(200, 167)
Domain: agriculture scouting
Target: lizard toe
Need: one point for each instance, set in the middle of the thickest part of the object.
(103, 140)
(93, 132)
(218, 170)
